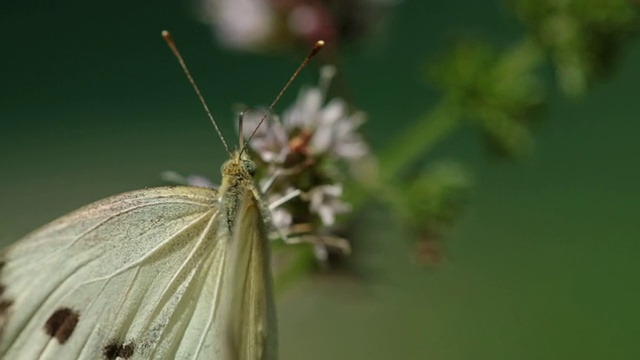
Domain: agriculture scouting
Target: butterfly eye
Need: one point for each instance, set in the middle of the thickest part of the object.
(249, 166)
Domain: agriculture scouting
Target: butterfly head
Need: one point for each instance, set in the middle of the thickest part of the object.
(238, 168)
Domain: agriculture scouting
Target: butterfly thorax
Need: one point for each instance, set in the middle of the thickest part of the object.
(237, 177)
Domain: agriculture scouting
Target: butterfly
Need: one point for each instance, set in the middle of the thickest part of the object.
(161, 273)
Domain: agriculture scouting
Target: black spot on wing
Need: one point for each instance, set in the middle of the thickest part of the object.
(5, 304)
(2, 287)
(61, 324)
(5, 307)
(116, 349)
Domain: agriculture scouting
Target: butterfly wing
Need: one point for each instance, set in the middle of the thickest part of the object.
(134, 276)
(250, 321)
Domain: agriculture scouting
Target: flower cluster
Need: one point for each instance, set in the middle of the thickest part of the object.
(306, 152)
(260, 24)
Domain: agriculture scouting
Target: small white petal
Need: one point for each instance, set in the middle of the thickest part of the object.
(281, 218)
(326, 215)
(322, 139)
(320, 251)
(335, 110)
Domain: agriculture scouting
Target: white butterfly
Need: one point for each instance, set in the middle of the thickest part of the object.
(164, 273)
(149, 274)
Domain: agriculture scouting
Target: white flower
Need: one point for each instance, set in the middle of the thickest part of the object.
(258, 25)
(332, 128)
(325, 201)
(245, 24)
(281, 218)
(280, 215)
(312, 129)
(304, 112)
(270, 140)
(332, 125)
(336, 132)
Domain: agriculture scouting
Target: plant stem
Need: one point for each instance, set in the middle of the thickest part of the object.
(416, 141)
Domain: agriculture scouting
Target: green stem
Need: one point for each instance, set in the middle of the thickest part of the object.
(417, 140)
(411, 145)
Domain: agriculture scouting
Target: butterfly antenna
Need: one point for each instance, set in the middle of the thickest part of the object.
(316, 48)
(240, 122)
(172, 45)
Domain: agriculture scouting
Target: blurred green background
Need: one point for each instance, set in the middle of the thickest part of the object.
(543, 265)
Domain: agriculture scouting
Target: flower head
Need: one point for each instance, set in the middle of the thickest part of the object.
(326, 202)
(255, 25)
(302, 151)
(311, 128)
